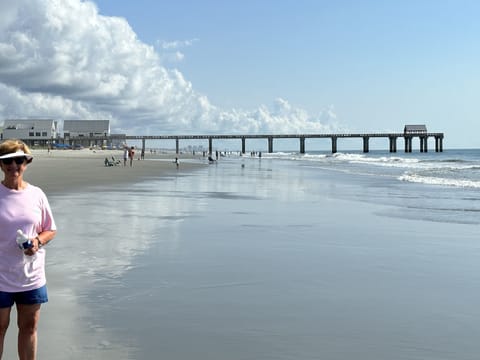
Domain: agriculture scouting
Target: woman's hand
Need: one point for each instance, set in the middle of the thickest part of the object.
(34, 248)
(46, 235)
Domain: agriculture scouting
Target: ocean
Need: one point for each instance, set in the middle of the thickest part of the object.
(287, 256)
(431, 186)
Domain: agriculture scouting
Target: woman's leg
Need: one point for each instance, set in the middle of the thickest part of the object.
(27, 320)
(4, 321)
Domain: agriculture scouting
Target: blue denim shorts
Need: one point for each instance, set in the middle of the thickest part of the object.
(30, 297)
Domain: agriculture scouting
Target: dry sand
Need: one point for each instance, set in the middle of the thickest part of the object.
(65, 170)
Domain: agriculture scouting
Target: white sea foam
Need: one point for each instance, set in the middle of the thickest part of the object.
(408, 163)
(295, 156)
(314, 157)
(430, 180)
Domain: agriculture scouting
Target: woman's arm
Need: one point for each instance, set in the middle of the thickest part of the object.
(40, 240)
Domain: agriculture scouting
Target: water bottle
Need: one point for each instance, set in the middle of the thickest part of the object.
(23, 241)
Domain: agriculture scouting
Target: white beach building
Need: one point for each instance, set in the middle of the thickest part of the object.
(31, 131)
(75, 130)
(86, 128)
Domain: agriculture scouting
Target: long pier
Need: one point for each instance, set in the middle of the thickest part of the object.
(392, 138)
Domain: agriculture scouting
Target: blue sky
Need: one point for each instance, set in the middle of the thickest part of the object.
(380, 64)
(283, 66)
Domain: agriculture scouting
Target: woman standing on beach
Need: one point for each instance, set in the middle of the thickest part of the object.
(131, 154)
(22, 273)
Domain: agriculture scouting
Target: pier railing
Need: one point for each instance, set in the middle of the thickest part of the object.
(392, 137)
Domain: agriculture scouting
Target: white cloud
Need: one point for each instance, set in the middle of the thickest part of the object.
(62, 59)
(168, 45)
(17, 104)
(169, 52)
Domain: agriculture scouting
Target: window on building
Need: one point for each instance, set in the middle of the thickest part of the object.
(31, 133)
(44, 133)
(37, 133)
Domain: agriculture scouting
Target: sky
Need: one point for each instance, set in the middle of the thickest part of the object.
(245, 67)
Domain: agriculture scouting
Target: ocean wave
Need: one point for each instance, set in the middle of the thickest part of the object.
(431, 180)
(281, 155)
(454, 160)
(295, 156)
(414, 163)
(406, 163)
(314, 156)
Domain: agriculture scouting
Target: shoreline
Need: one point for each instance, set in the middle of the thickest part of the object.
(59, 171)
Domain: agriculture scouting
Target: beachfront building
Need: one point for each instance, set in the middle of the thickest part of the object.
(34, 132)
(75, 130)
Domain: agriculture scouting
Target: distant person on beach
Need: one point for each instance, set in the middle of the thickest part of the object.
(125, 155)
(131, 154)
(22, 273)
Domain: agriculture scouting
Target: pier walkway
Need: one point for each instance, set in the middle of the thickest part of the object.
(392, 137)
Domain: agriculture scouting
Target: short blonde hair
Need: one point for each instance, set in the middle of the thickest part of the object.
(14, 145)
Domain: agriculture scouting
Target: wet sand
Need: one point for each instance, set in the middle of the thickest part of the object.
(65, 172)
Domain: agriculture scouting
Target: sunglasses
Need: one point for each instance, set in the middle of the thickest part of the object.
(18, 160)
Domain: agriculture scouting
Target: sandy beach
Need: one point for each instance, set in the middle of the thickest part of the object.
(63, 170)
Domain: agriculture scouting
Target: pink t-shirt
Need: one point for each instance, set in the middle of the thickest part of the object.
(28, 210)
